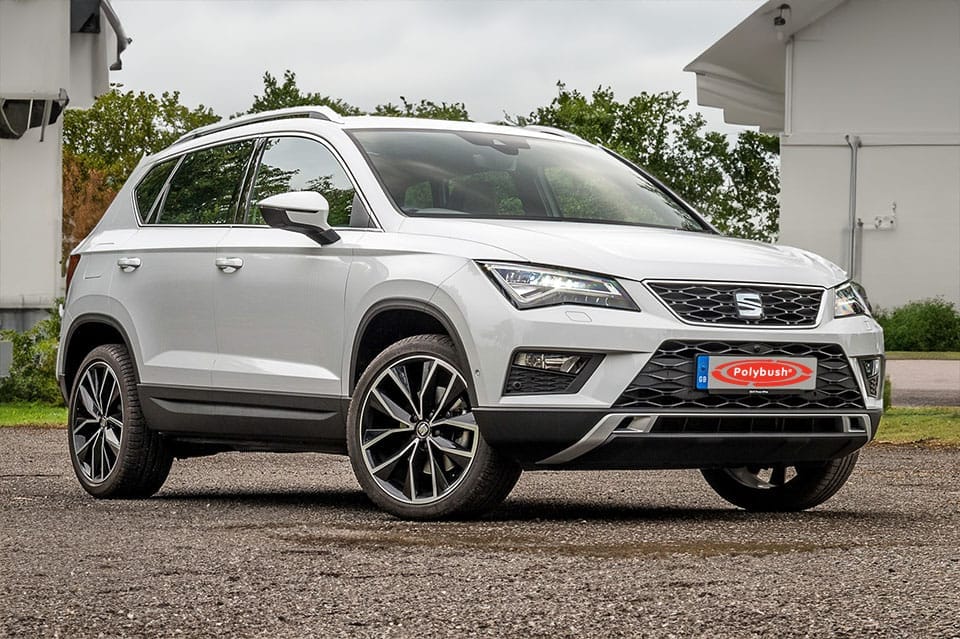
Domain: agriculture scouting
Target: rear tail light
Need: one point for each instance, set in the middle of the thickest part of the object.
(72, 263)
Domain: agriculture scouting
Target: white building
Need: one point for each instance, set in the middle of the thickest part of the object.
(51, 52)
(866, 97)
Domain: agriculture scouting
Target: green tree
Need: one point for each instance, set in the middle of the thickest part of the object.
(282, 95)
(424, 109)
(287, 93)
(103, 144)
(121, 127)
(735, 186)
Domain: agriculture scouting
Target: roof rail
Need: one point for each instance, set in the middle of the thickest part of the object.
(315, 112)
(552, 130)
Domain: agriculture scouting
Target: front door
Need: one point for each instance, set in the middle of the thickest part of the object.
(279, 297)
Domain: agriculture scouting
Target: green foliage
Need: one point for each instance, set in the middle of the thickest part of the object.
(925, 325)
(887, 393)
(282, 95)
(736, 187)
(121, 127)
(33, 376)
(285, 94)
(424, 109)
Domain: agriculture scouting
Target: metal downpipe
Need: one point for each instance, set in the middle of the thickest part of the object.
(854, 143)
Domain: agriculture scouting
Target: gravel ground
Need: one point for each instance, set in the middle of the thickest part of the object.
(286, 546)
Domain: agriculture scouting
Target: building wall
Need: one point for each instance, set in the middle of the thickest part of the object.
(885, 71)
(34, 61)
(30, 230)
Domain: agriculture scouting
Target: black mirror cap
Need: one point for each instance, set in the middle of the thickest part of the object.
(278, 219)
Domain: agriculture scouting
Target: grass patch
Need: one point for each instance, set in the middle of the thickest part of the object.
(915, 425)
(923, 355)
(32, 415)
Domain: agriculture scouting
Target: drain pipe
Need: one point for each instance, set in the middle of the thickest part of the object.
(854, 143)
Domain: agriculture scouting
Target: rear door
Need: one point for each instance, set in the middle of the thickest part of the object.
(166, 270)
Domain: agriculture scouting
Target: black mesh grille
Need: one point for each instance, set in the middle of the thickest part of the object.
(668, 379)
(530, 381)
(705, 303)
(748, 425)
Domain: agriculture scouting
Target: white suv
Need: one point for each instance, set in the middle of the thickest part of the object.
(450, 303)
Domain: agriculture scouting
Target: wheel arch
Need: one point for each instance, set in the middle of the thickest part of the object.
(403, 318)
(86, 333)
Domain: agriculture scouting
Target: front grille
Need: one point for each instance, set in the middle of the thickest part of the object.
(748, 425)
(668, 379)
(709, 303)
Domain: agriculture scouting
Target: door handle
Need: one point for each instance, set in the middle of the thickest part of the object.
(229, 264)
(128, 264)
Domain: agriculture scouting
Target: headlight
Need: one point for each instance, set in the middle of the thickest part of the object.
(850, 299)
(536, 286)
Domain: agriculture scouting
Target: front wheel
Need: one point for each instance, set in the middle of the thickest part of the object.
(783, 488)
(413, 440)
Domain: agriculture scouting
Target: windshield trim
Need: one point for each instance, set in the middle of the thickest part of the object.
(706, 226)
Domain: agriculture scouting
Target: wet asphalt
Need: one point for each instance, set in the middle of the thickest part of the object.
(264, 545)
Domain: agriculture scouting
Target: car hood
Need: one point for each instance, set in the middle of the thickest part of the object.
(638, 253)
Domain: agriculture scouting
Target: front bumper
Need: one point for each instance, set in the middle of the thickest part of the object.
(611, 440)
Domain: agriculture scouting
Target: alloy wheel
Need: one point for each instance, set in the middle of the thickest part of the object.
(418, 435)
(97, 424)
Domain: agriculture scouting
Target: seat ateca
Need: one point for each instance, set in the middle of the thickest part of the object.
(450, 304)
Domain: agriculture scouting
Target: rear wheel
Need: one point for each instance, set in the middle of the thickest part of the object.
(781, 488)
(413, 441)
(113, 452)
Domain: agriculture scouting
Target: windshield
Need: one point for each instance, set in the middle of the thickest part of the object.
(485, 175)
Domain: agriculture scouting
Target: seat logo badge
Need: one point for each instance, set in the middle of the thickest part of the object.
(749, 305)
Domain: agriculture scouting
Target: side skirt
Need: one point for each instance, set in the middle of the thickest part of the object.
(208, 420)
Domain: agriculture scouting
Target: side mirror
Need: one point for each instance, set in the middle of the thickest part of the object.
(300, 211)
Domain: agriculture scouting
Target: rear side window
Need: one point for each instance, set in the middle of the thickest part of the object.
(299, 164)
(150, 187)
(205, 189)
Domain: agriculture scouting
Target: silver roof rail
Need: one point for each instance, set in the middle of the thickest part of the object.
(315, 112)
(552, 130)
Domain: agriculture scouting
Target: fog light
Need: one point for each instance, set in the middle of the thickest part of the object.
(560, 362)
(872, 368)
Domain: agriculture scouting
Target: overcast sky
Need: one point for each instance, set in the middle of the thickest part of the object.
(493, 56)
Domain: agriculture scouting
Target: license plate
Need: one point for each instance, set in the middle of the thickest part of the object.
(755, 374)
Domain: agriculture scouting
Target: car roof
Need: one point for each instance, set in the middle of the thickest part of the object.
(318, 119)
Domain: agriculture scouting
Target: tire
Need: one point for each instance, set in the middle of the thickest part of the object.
(787, 489)
(412, 439)
(113, 452)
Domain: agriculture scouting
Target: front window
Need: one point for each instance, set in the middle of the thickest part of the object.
(299, 164)
(489, 175)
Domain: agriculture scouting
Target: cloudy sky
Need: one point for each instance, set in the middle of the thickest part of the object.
(493, 56)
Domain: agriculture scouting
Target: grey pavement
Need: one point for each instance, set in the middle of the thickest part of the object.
(925, 382)
(265, 545)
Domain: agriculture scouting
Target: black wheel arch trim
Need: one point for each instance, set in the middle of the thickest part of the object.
(410, 304)
(93, 318)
